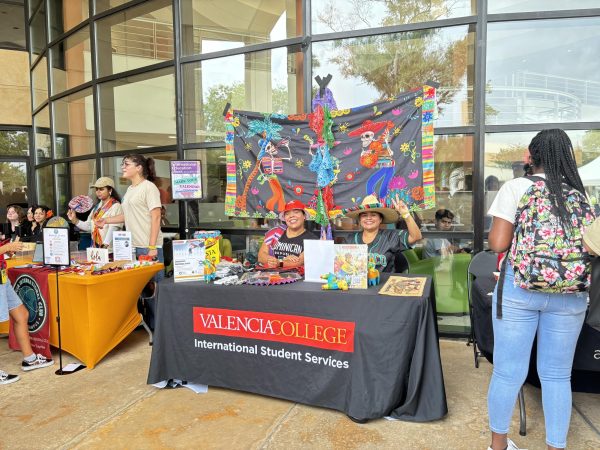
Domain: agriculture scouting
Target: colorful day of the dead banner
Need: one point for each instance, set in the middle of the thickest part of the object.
(385, 148)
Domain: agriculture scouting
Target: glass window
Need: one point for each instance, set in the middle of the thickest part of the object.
(38, 32)
(71, 62)
(33, 5)
(62, 186)
(39, 79)
(138, 112)
(209, 212)
(45, 186)
(14, 143)
(385, 65)
(14, 183)
(260, 81)
(41, 126)
(136, 37)
(555, 77)
(103, 5)
(453, 181)
(236, 23)
(510, 6)
(329, 16)
(74, 125)
(505, 155)
(83, 175)
(65, 14)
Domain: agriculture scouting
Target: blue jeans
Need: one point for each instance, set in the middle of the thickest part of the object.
(557, 319)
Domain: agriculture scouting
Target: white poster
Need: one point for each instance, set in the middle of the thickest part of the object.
(188, 260)
(56, 246)
(122, 247)
(318, 259)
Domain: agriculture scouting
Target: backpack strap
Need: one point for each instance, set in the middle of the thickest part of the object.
(501, 287)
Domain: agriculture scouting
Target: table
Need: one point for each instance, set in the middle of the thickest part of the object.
(97, 311)
(586, 362)
(365, 354)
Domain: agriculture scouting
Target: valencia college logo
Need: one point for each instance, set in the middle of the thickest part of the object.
(309, 331)
(29, 293)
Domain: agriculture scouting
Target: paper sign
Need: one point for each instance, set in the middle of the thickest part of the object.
(186, 180)
(56, 246)
(97, 255)
(122, 247)
(188, 260)
(318, 259)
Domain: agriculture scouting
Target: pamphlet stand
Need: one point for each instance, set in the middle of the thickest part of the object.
(60, 370)
(57, 253)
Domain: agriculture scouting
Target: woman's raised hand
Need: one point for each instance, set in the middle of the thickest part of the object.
(400, 206)
(71, 215)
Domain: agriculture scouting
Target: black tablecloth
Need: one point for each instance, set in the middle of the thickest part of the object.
(586, 363)
(393, 368)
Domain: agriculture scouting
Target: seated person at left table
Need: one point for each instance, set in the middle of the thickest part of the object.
(441, 246)
(383, 244)
(284, 245)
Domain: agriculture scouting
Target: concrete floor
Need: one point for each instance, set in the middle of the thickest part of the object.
(111, 407)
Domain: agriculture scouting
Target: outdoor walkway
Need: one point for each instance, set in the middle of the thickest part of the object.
(111, 407)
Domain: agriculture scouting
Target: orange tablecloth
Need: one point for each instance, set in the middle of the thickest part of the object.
(96, 311)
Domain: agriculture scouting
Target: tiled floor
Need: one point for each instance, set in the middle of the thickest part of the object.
(112, 407)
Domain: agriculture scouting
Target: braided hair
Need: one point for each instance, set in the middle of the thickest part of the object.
(552, 151)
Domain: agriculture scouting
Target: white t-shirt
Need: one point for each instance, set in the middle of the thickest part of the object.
(138, 202)
(506, 202)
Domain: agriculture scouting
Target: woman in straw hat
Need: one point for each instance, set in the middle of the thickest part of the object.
(383, 244)
(109, 205)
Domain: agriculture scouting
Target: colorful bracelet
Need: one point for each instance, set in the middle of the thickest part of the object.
(151, 247)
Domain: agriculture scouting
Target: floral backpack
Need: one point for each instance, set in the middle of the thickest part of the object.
(544, 255)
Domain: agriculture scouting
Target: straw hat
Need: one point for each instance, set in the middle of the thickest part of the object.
(371, 204)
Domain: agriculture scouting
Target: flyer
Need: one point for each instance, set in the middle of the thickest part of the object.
(188, 260)
(351, 263)
(56, 246)
(122, 246)
(186, 180)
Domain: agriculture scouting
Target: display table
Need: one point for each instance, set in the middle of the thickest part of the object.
(97, 311)
(586, 363)
(365, 354)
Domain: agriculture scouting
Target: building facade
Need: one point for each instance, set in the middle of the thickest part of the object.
(111, 77)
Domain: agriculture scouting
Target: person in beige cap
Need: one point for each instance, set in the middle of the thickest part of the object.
(109, 205)
(383, 244)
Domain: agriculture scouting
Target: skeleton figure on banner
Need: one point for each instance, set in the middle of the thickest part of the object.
(268, 163)
(376, 154)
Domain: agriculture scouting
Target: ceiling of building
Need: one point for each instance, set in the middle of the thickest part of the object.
(12, 25)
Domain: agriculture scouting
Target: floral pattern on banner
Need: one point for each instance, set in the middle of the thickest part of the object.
(385, 148)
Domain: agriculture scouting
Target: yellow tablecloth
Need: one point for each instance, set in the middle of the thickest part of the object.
(96, 311)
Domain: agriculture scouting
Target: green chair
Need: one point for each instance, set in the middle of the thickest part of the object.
(450, 280)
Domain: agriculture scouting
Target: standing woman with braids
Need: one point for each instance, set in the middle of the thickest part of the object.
(141, 214)
(521, 314)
